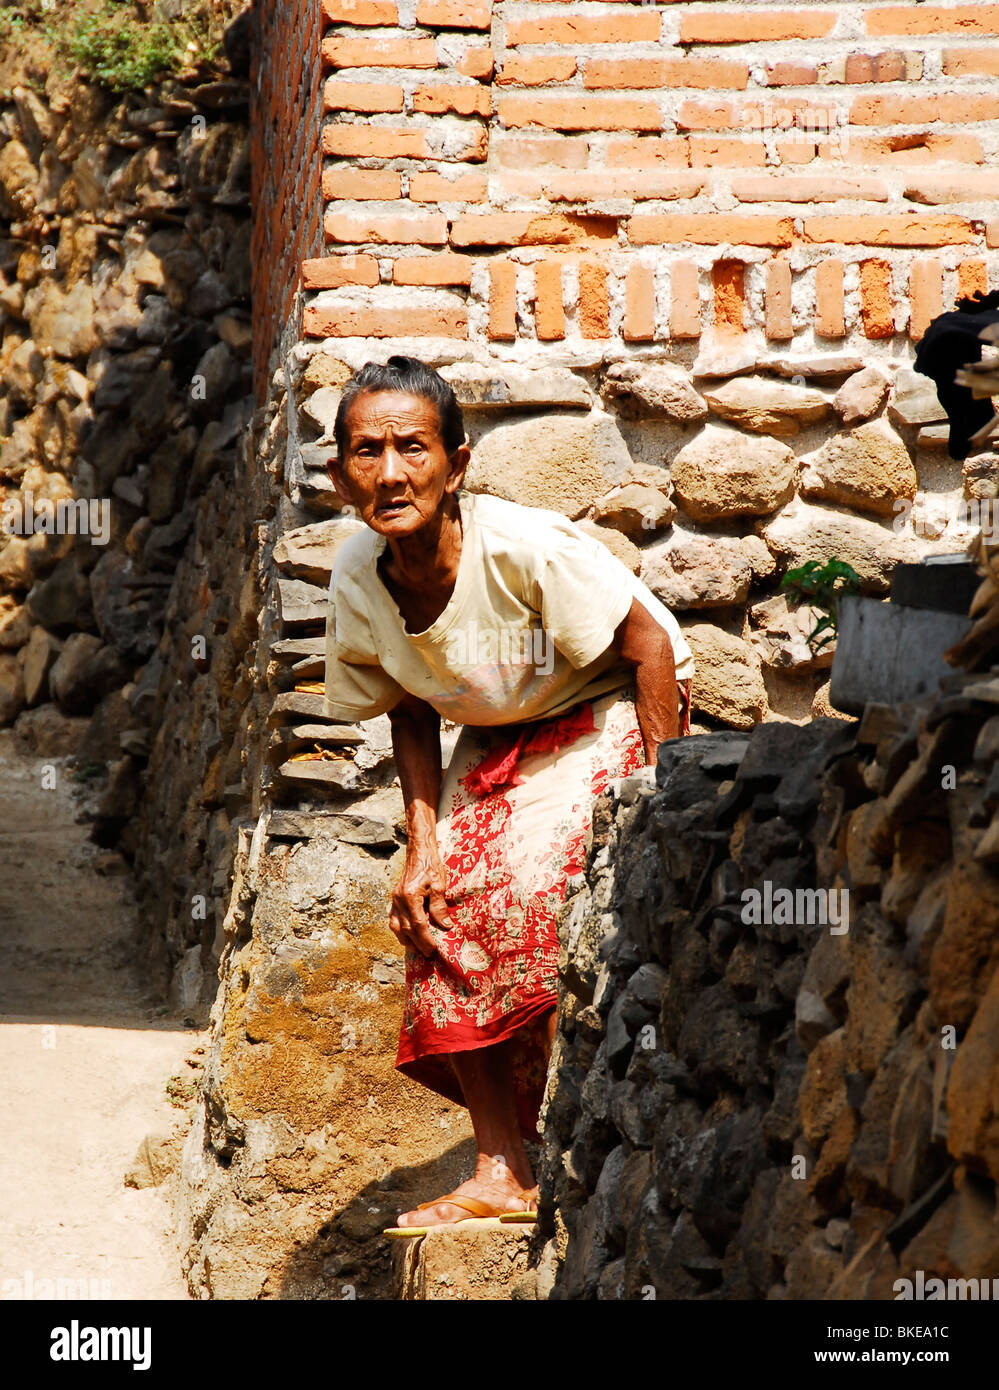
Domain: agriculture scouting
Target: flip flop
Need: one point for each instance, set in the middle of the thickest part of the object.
(527, 1217)
(484, 1216)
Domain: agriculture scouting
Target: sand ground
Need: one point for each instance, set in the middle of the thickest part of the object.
(85, 1055)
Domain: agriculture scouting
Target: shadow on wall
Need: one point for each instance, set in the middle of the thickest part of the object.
(349, 1257)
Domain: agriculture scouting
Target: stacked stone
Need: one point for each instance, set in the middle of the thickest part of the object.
(677, 1063)
(980, 646)
(747, 1109)
(708, 488)
(124, 380)
(325, 777)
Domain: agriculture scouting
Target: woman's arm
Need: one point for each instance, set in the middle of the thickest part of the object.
(642, 641)
(416, 741)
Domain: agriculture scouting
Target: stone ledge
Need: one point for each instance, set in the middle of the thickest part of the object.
(470, 1265)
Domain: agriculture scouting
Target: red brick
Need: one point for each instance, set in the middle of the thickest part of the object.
(341, 182)
(728, 25)
(549, 315)
(829, 320)
(709, 73)
(971, 62)
(502, 299)
(454, 14)
(369, 52)
(578, 113)
(701, 115)
(639, 304)
(728, 282)
(933, 19)
(791, 75)
(364, 321)
(953, 186)
(362, 140)
(685, 308)
(808, 188)
(785, 113)
(476, 62)
(446, 269)
(361, 11)
(436, 188)
(875, 67)
(442, 97)
(912, 108)
(615, 183)
(533, 69)
(709, 228)
(921, 148)
(778, 300)
(647, 150)
(876, 303)
(491, 228)
(427, 228)
(727, 152)
(520, 183)
(594, 303)
(532, 229)
(629, 27)
(542, 151)
(361, 96)
(972, 277)
(925, 294)
(796, 149)
(903, 229)
(330, 272)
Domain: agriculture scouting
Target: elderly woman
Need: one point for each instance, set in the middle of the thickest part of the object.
(565, 672)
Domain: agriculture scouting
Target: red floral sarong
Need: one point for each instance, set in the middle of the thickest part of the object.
(513, 817)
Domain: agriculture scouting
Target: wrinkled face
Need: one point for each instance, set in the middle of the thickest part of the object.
(395, 469)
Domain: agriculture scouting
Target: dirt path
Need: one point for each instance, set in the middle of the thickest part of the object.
(85, 1058)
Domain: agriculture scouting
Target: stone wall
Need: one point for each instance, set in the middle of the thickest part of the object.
(710, 490)
(759, 1105)
(125, 386)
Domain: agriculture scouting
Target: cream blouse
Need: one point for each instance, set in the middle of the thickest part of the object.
(524, 635)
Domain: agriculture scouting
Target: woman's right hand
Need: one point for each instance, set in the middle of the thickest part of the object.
(418, 903)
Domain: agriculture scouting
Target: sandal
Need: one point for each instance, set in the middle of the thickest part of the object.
(483, 1216)
(529, 1215)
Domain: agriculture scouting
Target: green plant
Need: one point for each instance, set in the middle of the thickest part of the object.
(822, 586)
(181, 1090)
(123, 53)
(86, 772)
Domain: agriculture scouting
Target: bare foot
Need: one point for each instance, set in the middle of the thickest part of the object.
(493, 1182)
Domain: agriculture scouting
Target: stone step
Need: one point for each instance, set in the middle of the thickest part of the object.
(298, 704)
(297, 648)
(461, 1265)
(300, 604)
(338, 773)
(353, 827)
(292, 738)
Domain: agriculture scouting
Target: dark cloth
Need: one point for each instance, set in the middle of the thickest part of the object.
(951, 341)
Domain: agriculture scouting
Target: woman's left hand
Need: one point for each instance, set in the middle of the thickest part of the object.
(418, 902)
(642, 641)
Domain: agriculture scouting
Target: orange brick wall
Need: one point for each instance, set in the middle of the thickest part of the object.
(286, 168)
(588, 175)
